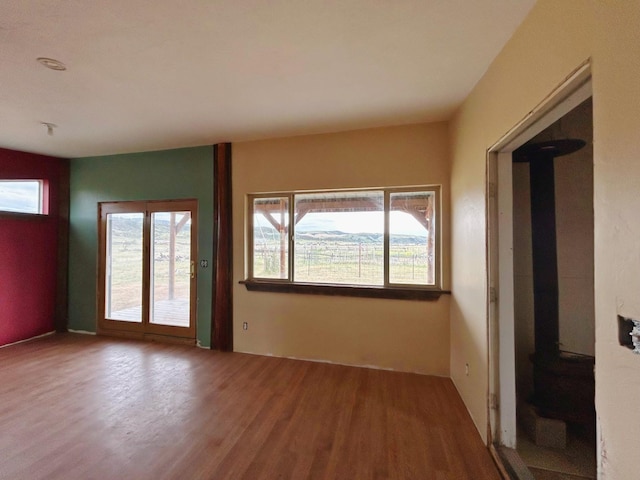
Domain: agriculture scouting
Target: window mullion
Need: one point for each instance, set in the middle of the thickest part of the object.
(146, 266)
(292, 243)
(385, 266)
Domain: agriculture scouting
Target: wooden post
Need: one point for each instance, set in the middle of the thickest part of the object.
(544, 255)
(222, 321)
(430, 241)
(62, 283)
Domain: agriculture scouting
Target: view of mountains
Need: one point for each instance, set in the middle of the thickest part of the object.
(270, 235)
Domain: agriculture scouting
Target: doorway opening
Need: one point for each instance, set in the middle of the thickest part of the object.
(541, 307)
(554, 297)
(147, 275)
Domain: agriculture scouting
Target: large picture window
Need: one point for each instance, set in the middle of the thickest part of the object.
(378, 238)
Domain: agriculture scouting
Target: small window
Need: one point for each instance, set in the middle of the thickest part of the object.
(22, 196)
(412, 238)
(271, 237)
(377, 238)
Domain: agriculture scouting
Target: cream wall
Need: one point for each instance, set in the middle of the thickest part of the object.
(553, 40)
(395, 334)
(616, 69)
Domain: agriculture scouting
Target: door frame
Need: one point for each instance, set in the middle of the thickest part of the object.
(575, 89)
(146, 329)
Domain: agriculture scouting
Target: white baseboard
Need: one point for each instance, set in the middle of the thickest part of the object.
(82, 332)
(28, 339)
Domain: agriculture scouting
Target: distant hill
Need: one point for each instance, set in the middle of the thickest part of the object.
(270, 235)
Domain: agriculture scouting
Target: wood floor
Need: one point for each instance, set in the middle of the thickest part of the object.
(82, 407)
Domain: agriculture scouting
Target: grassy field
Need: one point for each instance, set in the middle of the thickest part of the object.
(125, 280)
(346, 261)
(328, 257)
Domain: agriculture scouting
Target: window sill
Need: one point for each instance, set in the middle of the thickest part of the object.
(23, 216)
(398, 293)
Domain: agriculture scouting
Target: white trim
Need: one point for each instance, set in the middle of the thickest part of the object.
(575, 89)
(344, 364)
(28, 339)
(81, 332)
(505, 303)
(492, 300)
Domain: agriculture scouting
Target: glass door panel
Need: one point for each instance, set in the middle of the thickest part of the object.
(171, 264)
(124, 261)
(147, 279)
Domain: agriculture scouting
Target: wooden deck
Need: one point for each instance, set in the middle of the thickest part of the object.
(83, 407)
(166, 312)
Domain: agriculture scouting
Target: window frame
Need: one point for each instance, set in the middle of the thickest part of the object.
(42, 192)
(386, 290)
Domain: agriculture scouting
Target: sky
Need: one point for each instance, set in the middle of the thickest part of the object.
(358, 222)
(19, 196)
(22, 196)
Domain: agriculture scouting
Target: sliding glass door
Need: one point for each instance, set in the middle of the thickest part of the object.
(147, 272)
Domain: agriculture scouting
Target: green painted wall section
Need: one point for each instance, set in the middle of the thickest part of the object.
(164, 175)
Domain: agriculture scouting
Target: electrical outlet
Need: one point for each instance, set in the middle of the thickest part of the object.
(245, 325)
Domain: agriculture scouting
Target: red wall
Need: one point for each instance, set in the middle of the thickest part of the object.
(30, 283)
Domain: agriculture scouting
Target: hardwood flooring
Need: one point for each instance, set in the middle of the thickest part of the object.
(82, 407)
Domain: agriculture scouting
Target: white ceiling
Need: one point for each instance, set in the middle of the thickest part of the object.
(155, 74)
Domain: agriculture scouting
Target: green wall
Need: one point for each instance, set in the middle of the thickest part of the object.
(169, 174)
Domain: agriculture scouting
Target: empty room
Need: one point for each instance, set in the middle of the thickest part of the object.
(338, 240)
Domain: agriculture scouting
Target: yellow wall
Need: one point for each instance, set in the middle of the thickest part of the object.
(616, 69)
(553, 40)
(396, 334)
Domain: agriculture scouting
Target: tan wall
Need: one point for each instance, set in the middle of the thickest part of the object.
(553, 40)
(397, 334)
(616, 69)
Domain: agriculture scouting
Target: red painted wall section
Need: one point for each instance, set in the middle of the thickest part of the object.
(29, 251)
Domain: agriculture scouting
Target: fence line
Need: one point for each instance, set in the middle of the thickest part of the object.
(358, 263)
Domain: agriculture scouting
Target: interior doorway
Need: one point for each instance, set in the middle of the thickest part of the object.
(533, 319)
(554, 297)
(147, 274)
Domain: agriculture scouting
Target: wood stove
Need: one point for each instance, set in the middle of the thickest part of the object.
(564, 385)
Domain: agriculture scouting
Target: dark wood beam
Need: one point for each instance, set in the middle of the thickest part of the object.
(222, 309)
(62, 284)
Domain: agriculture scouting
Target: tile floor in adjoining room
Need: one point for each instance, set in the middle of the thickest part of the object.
(576, 462)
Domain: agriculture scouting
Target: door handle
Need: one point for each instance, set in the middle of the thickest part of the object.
(193, 269)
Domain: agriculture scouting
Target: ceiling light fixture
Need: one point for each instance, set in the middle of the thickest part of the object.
(50, 127)
(52, 63)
